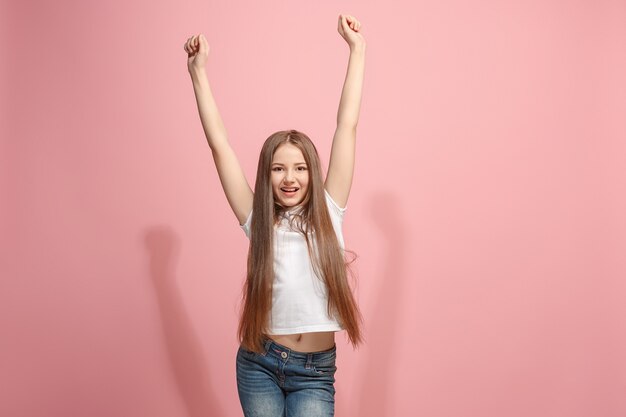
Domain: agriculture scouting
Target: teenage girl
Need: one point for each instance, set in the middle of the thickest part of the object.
(296, 294)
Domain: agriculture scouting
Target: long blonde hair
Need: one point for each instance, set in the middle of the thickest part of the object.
(326, 254)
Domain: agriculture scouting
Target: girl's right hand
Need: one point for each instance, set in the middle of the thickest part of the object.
(197, 49)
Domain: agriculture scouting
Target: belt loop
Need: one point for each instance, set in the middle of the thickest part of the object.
(267, 345)
(309, 360)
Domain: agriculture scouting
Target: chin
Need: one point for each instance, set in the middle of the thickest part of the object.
(290, 203)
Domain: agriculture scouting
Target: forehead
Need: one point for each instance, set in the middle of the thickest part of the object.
(287, 153)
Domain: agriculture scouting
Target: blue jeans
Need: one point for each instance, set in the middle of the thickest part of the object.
(281, 382)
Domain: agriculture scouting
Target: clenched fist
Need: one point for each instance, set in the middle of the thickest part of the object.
(197, 49)
(349, 28)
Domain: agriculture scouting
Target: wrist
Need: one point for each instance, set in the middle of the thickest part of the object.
(196, 73)
(357, 48)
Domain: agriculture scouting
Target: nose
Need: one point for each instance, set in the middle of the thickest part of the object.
(289, 176)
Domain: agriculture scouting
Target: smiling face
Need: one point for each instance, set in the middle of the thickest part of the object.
(290, 175)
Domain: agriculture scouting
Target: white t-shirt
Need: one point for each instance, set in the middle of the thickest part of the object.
(299, 299)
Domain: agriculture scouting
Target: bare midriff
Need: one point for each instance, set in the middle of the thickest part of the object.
(306, 342)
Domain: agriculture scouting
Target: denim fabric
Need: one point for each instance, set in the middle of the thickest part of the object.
(281, 382)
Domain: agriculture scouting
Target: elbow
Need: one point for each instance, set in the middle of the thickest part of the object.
(347, 125)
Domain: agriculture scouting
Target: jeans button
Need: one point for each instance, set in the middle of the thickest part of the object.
(283, 355)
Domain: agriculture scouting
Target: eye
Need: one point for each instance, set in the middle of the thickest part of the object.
(277, 169)
(302, 168)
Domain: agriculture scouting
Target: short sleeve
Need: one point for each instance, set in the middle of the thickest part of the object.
(333, 207)
(246, 226)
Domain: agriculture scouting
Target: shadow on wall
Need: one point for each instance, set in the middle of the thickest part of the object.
(186, 356)
(382, 336)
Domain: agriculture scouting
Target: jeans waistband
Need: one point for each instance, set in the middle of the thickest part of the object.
(276, 349)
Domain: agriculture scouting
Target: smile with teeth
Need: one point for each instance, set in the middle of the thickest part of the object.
(289, 190)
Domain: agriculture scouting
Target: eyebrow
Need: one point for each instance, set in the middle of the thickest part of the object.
(281, 164)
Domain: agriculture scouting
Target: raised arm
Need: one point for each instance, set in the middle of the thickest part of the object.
(236, 187)
(341, 164)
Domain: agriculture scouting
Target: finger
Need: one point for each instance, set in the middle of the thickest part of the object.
(203, 44)
(342, 26)
(344, 23)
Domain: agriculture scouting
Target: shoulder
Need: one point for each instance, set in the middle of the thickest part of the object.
(334, 209)
(246, 226)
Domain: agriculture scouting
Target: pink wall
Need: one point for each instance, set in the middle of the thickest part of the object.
(487, 209)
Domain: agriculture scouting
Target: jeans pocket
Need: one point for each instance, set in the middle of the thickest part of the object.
(251, 354)
(325, 369)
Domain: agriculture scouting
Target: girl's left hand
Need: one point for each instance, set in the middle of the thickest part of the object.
(349, 29)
